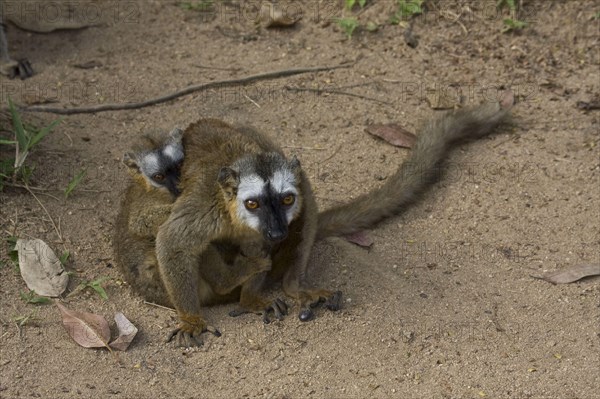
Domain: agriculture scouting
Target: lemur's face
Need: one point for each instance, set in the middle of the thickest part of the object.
(264, 193)
(160, 167)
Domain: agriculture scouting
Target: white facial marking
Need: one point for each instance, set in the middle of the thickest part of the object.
(284, 182)
(250, 187)
(150, 163)
(174, 152)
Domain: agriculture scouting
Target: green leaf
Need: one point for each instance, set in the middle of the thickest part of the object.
(348, 25)
(7, 142)
(43, 132)
(99, 290)
(362, 3)
(509, 3)
(13, 254)
(74, 182)
(26, 173)
(18, 126)
(32, 297)
(408, 8)
(513, 24)
(64, 257)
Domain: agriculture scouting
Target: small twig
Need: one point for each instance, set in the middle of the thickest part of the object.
(217, 68)
(47, 213)
(42, 191)
(251, 100)
(332, 154)
(330, 91)
(295, 147)
(184, 92)
(159, 306)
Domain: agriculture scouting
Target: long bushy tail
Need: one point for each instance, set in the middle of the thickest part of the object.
(418, 172)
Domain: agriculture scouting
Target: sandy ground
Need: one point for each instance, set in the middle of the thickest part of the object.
(442, 306)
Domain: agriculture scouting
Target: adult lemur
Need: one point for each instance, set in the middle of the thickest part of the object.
(239, 192)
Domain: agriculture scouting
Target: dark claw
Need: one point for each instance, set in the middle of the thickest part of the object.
(186, 339)
(24, 69)
(279, 309)
(172, 334)
(306, 315)
(334, 303)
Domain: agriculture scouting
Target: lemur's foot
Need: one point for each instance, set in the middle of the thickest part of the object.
(330, 300)
(12, 69)
(189, 332)
(278, 308)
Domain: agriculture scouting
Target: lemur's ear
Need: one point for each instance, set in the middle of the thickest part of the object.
(228, 177)
(295, 163)
(130, 160)
(176, 134)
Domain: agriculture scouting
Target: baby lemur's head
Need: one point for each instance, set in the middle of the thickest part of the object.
(264, 193)
(158, 161)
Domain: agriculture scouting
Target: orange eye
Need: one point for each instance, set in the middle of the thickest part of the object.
(251, 205)
(158, 177)
(288, 200)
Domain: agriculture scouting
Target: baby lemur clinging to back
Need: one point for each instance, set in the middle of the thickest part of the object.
(155, 165)
(238, 190)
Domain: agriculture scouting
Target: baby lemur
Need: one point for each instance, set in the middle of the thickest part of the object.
(238, 190)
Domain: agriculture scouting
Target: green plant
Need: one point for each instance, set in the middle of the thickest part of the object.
(348, 25)
(21, 321)
(406, 10)
(512, 23)
(64, 257)
(13, 254)
(33, 298)
(74, 182)
(26, 137)
(351, 3)
(94, 285)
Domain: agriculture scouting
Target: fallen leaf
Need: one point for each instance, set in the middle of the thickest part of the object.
(127, 332)
(273, 16)
(360, 238)
(87, 329)
(393, 134)
(571, 274)
(40, 268)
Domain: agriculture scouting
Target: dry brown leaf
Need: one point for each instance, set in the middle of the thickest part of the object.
(273, 16)
(40, 268)
(360, 238)
(87, 329)
(571, 274)
(393, 134)
(127, 332)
